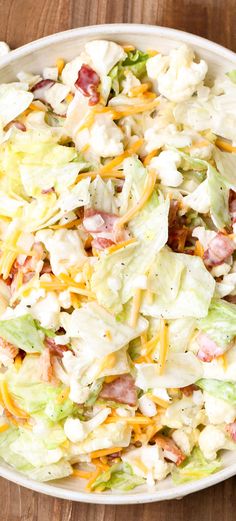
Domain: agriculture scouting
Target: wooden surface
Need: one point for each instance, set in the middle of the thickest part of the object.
(22, 21)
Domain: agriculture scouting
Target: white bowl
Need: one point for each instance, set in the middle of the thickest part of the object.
(32, 58)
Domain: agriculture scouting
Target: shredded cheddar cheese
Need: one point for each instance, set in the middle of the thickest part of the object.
(120, 245)
(139, 89)
(164, 344)
(118, 160)
(158, 401)
(104, 452)
(82, 474)
(93, 479)
(150, 156)
(4, 427)
(18, 362)
(9, 403)
(60, 64)
(198, 250)
(68, 225)
(224, 145)
(150, 183)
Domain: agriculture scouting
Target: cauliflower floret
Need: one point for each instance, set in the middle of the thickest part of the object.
(211, 439)
(65, 249)
(217, 410)
(199, 199)
(104, 54)
(147, 406)
(129, 82)
(69, 74)
(177, 76)
(148, 462)
(186, 439)
(161, 134)
(106, 137)
(77, 430)
(184, 412)
(166, 165)
(47, 311)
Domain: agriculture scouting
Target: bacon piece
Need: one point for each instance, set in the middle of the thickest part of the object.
(87, 82)
(101, 225)
(48, 190)
(173, 212)
(188, 390)
(208, 348)
(231, 298)
(121, 390)
(171, 451)
(55, 349)
(28, 267)
(232, 205)
(7, 349)
(47, 268)
(46, 367)
(231, 430)
(40, 88)
(219, 248)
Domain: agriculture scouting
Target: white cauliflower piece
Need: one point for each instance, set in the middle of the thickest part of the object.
(77, 430)
(184, 412)
(199, 199)
(217, 410)
(186, 439)
(177, 76)
(166, 165)
(148, 462)
(106, 137)
(104, 54)
(211, 440)
(147, 406)
(65, 249)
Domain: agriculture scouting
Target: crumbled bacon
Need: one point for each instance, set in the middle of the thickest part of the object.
(101, 226)
(88, 82)
(231, 430)
(46, 367)
(171, 451)
(208, 349)
(55, 349)
(7, 349)
(40, 88)
(121, 390)
(189, 389)
(219, 248)
(232, 205)
(28, 266)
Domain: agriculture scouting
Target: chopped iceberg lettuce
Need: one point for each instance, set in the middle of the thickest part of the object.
(22, 332)
(181, 369)
(115, 274)
(134, 62)
(220, 323)
(90, 324)
(193, 296)
(120, 476)
(223, 390)
(194, 467)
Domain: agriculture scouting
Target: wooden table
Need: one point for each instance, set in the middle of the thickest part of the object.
(22, 21)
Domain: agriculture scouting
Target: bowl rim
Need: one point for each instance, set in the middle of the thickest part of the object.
(110, 29)
(51, 488)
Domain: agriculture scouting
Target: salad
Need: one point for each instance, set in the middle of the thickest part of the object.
(118, 268)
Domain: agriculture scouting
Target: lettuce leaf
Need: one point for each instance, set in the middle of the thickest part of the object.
(220, 323)
(29, 391)
(134, 62)
(223, 390)
(226, 164)
(181, 369)
(22, 332)
(90, 323)
(59, 470)
(114, 275)
(232, 75)
(192, 292)
(194, 467)
(120, 477)
(219, 198)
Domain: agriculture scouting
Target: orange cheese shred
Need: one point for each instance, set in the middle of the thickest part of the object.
(151, 180)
